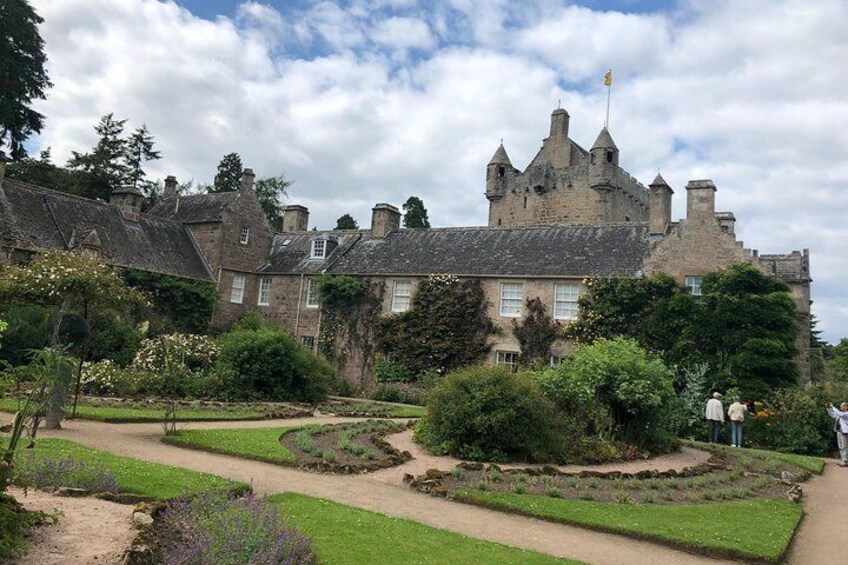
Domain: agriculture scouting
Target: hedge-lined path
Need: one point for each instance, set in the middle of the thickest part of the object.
(143, 441)
(820, 539)
(423, 461)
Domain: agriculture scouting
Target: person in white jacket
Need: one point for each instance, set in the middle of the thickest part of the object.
(840, 426)
(715, 416)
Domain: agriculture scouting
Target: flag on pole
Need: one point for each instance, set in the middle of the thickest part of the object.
(608, 78)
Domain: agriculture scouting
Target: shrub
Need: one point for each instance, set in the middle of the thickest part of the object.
(214, 528)
(14, 523)
(488, 413)
(32, 470)
(388, 372)
(400, 392)
(176, 353)
(106, 378)
(112, 338)
(270, 364)
(29, 329)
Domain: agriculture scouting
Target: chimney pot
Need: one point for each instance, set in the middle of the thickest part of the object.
(170, 187)
(247, 177)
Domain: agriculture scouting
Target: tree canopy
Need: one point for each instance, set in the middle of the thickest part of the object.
(228, 177)
(23, 76)
(268, 190)
(415, 214)
(346, 222)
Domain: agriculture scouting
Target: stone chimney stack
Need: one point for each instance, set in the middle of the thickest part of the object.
(2, 167)
(659, 216)
(170, 187)
(559, 123)
(557, 146)
(700, 200)
(128, 199)
(295, 218)
(385, 218)
(247, 177)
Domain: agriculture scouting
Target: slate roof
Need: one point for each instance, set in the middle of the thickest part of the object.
(604, 140)
(566, 251)
(38, 219)
(500, 157)
(291, 252)
(195, 208)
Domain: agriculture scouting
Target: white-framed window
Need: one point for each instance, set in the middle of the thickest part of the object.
(693, 285)
(507, 359)
(311, 293)
(319, 248)
(512, 298)
(237, 290)
(400, 296)
(244, 236)
(308, 342)
(556, 360)
(565, 301)
(264, 292)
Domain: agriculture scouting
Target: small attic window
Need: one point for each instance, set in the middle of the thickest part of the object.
(501, 171)
(609, 156)
(286, 242)
(319, 249)
(244, 237)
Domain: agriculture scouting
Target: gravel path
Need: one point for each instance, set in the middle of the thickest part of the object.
(821, 538)
(142, 441)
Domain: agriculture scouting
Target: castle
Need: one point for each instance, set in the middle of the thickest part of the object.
(571, 214)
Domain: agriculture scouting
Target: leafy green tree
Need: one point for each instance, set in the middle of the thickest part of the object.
(836, 360)
(184, 305)
(23, 76)
(536, 333)
(43, 172)
(415, 214)
(139, 150)
(228, 177)
(346, 222)
(268, 192)
(104, 168)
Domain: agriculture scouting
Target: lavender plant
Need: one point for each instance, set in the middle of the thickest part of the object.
(35, 470)
(215, 528)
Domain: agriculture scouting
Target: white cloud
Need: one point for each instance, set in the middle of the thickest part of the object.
(747, 93)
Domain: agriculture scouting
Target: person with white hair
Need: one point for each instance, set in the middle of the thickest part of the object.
(840, 426)
(715, 416)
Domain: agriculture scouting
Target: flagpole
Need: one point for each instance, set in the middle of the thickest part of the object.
(609, 91)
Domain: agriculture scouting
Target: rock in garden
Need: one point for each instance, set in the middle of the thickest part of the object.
(142, 519)
(71, 492)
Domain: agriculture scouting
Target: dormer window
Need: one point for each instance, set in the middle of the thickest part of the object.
(244, 237)
(319, 249)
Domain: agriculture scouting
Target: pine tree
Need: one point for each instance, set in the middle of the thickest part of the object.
(140, 150)
(23, 77)
(105, 167)
(346, 222)
(415, 214)
(228, 177)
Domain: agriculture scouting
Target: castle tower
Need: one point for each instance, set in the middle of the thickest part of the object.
(497, 174)
(659, 216)
(603, 162)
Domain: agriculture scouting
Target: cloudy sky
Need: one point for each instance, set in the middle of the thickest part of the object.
(367, 101)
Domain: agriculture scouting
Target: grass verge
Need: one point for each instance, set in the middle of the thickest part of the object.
(261, 444)
(758, 530)
(812, 464)
(141, 415)
(135, 476)
(343, 535)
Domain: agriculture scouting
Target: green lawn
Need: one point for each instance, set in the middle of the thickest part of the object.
(812, 464)
(134, 476)
(127, 415)
(262, 444)
(344, 535)
(758, 529)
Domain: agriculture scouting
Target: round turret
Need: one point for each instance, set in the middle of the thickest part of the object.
(497, 173)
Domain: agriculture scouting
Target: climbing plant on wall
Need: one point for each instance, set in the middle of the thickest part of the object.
(350, 309)
(536, 333)
(446, 327)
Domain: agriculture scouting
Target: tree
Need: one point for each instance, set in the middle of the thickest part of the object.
(229, 173)
(104, 168)
(536, 333)
(415, 214)
(43, 172)
(23, 77)
(346, 222)
(268, 192)
(139, 150)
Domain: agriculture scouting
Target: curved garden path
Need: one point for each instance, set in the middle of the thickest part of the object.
(142, 441)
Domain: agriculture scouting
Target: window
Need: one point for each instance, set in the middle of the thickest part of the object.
(565, 301)
(501, 171)
(400, 296)
(308, 342)
(609, 156)
(237, 290)
(319, 246)
(512, 296)
(693, 285)
(264, 292)
(556, 360)
(311, 293)
(245, 235)
(508, 359)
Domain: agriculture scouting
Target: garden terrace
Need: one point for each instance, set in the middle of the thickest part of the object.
(340, 448)
(712, 507)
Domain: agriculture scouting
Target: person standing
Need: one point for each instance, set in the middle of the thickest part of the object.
(840, 426)
(736, 415)
(715, 416)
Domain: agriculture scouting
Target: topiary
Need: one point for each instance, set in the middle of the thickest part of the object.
(489, 413)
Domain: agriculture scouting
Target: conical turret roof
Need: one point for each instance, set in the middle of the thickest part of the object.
(500, 157)
(660, 181)
(604, 141)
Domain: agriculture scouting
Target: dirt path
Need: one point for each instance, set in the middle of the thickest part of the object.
(821, 537)
(141, 441)
(80, 537)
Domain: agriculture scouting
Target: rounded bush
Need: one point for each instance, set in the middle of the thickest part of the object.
(488, 413)
(268, 363)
